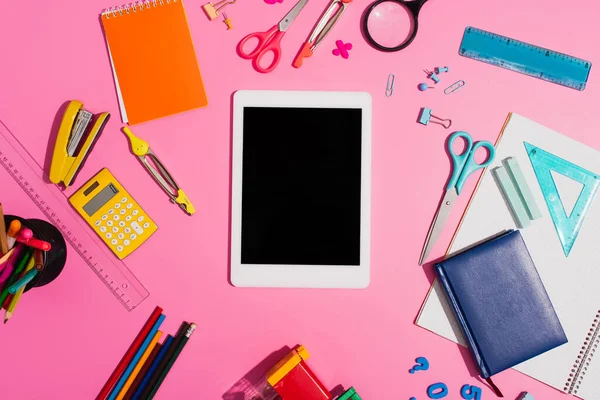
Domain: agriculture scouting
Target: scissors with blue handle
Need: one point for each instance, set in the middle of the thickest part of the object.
(270, 41)
(463, 166)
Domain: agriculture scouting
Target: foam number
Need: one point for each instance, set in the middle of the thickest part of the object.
(421, 365)
(469, 392)
(437, 391)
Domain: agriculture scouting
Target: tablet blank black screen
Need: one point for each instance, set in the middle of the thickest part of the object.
(301, 186)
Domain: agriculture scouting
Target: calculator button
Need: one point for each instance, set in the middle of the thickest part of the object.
(128, 218)
(118, 205)
(111, 211)
(132, 236)
(129, 206)
(124, 200)
(135, 212)
(104, 217)
(116, 217)
(137, 228)
(114, 242)
(126, 242)
(97, 223)
(108, 235)
(119, 248)
(141, 218)
(123, 211)
(121, 224)
(121, 236)
(115, 229)
(102, 229)
(109, 223)
(146, 225)
(127, 230)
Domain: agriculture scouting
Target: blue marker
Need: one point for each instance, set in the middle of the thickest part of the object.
(163, 350)
(115, 392)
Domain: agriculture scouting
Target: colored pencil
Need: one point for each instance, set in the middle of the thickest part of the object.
(137, 342)
(139, 366)
(3, 241)
(10, 264)
(5, 258)
(16, 271)
(132, 389)
(164, 349)
(163, 374)
(136, 358)
(10, 309)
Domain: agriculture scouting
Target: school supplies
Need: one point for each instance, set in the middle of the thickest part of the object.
(423, 87)
(153, 60)
(3, 239)
(342, 49)
(136, 358)
(24, 280)
(500, 301)
(146, 367)
(227, 21)
(177, 349)
(432, 75)
(79, 129)
(50, 200)
(293, 379)
(571, 282)
(525, 58)
(382, 14)
(159, 172)
(10, 310)
(130, 353)
(167, 344)
(525, 396)
(212, 10)
(10, 266)
(511, 195)
(548, 168)
(463, 165)
(350, 394)
(113, 214)
(13, 231)
(389, 87)
(454, 87)
(139, 365)
(425, 117)
(5, 258)
(441, 70)
(269, 41)
(328, 20)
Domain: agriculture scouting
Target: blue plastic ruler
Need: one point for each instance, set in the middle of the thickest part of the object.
(567, 226)
(525, 58)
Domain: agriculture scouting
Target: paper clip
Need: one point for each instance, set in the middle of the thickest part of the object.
(425, 116)
(389, 89)
(454, 87)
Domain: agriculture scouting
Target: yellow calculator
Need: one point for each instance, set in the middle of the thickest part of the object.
(115, 216)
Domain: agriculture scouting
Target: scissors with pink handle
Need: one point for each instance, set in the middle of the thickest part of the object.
(270, 41)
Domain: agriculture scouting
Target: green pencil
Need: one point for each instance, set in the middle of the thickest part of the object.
(165, 371)
(14, 276)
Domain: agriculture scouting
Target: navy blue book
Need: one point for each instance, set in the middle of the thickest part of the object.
(500, 303)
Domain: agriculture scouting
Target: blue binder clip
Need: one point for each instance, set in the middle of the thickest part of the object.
(425, 116)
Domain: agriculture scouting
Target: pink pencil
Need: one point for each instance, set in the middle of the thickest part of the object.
(10, 265)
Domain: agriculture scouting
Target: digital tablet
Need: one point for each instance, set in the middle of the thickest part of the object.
(301, 189)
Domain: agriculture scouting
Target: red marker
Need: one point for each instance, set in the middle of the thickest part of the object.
(26, 237)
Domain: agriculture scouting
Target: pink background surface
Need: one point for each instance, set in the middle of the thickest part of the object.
(69, 335)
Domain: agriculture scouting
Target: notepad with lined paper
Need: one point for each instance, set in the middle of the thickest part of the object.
(153, 60)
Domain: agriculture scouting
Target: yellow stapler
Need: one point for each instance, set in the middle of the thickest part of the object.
(78, 131)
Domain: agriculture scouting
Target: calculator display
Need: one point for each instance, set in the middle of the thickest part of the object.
(100, 199)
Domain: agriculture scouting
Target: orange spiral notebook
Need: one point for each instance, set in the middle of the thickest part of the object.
(153, 60)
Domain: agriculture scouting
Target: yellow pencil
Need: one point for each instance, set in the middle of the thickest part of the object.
(13, 303)
(139, 366)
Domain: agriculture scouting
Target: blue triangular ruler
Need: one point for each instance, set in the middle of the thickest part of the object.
(567, 226)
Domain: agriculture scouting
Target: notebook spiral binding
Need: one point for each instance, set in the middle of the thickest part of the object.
(136, 6)
(590, 345)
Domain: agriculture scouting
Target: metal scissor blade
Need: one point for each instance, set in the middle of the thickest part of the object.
(438, 223)
(291, 16)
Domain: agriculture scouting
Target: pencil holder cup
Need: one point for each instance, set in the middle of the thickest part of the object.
(54, 259)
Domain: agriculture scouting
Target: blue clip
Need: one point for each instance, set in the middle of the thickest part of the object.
(425, 116)
(432, 76)
(441, 70)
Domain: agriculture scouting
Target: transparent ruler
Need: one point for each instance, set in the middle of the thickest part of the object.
(28, 174)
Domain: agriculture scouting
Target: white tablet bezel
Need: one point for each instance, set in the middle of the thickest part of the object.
(300, 276)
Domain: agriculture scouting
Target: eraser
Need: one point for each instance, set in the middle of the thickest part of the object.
(512, 197)
(523, 188)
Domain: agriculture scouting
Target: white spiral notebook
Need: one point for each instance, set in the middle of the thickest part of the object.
(571, 282)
